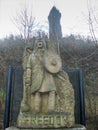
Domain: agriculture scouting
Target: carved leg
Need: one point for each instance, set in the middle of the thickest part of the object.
(37, 102)
(51, 101)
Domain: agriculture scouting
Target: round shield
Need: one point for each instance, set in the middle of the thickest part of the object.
(52, 62)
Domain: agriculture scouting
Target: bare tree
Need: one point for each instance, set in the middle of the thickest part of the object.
(25, 23)
(92, 21)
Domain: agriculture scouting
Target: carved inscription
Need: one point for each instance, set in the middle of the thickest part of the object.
(43, 121)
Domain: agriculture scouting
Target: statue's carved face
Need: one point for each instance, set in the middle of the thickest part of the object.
(39, 48)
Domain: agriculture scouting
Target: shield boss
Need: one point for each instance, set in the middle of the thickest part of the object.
(52, 62)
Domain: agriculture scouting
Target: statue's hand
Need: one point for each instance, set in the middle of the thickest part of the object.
(24, 107)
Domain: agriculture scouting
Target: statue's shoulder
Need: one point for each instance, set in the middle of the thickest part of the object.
(27, 51)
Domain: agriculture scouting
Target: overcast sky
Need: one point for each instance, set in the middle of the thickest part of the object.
(74, 18)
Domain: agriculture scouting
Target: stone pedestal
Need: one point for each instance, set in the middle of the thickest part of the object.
(77, 127)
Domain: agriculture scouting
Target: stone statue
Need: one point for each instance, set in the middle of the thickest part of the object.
(48, 96)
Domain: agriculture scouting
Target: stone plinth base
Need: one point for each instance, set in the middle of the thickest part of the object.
(77, 127)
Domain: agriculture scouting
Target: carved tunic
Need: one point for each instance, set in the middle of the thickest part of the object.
(42, 80)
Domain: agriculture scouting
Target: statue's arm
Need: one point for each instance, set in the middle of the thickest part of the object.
(28, 72)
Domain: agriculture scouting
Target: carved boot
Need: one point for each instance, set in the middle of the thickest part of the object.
(51, 102)
(37, 102)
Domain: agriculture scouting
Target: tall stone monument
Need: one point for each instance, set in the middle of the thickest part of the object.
(54, 17)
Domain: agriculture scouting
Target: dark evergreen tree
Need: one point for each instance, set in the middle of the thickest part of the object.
(54, 24)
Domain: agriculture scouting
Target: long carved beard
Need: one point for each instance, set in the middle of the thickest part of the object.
(40, 53)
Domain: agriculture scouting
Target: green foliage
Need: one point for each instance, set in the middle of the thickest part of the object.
(2, 94)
